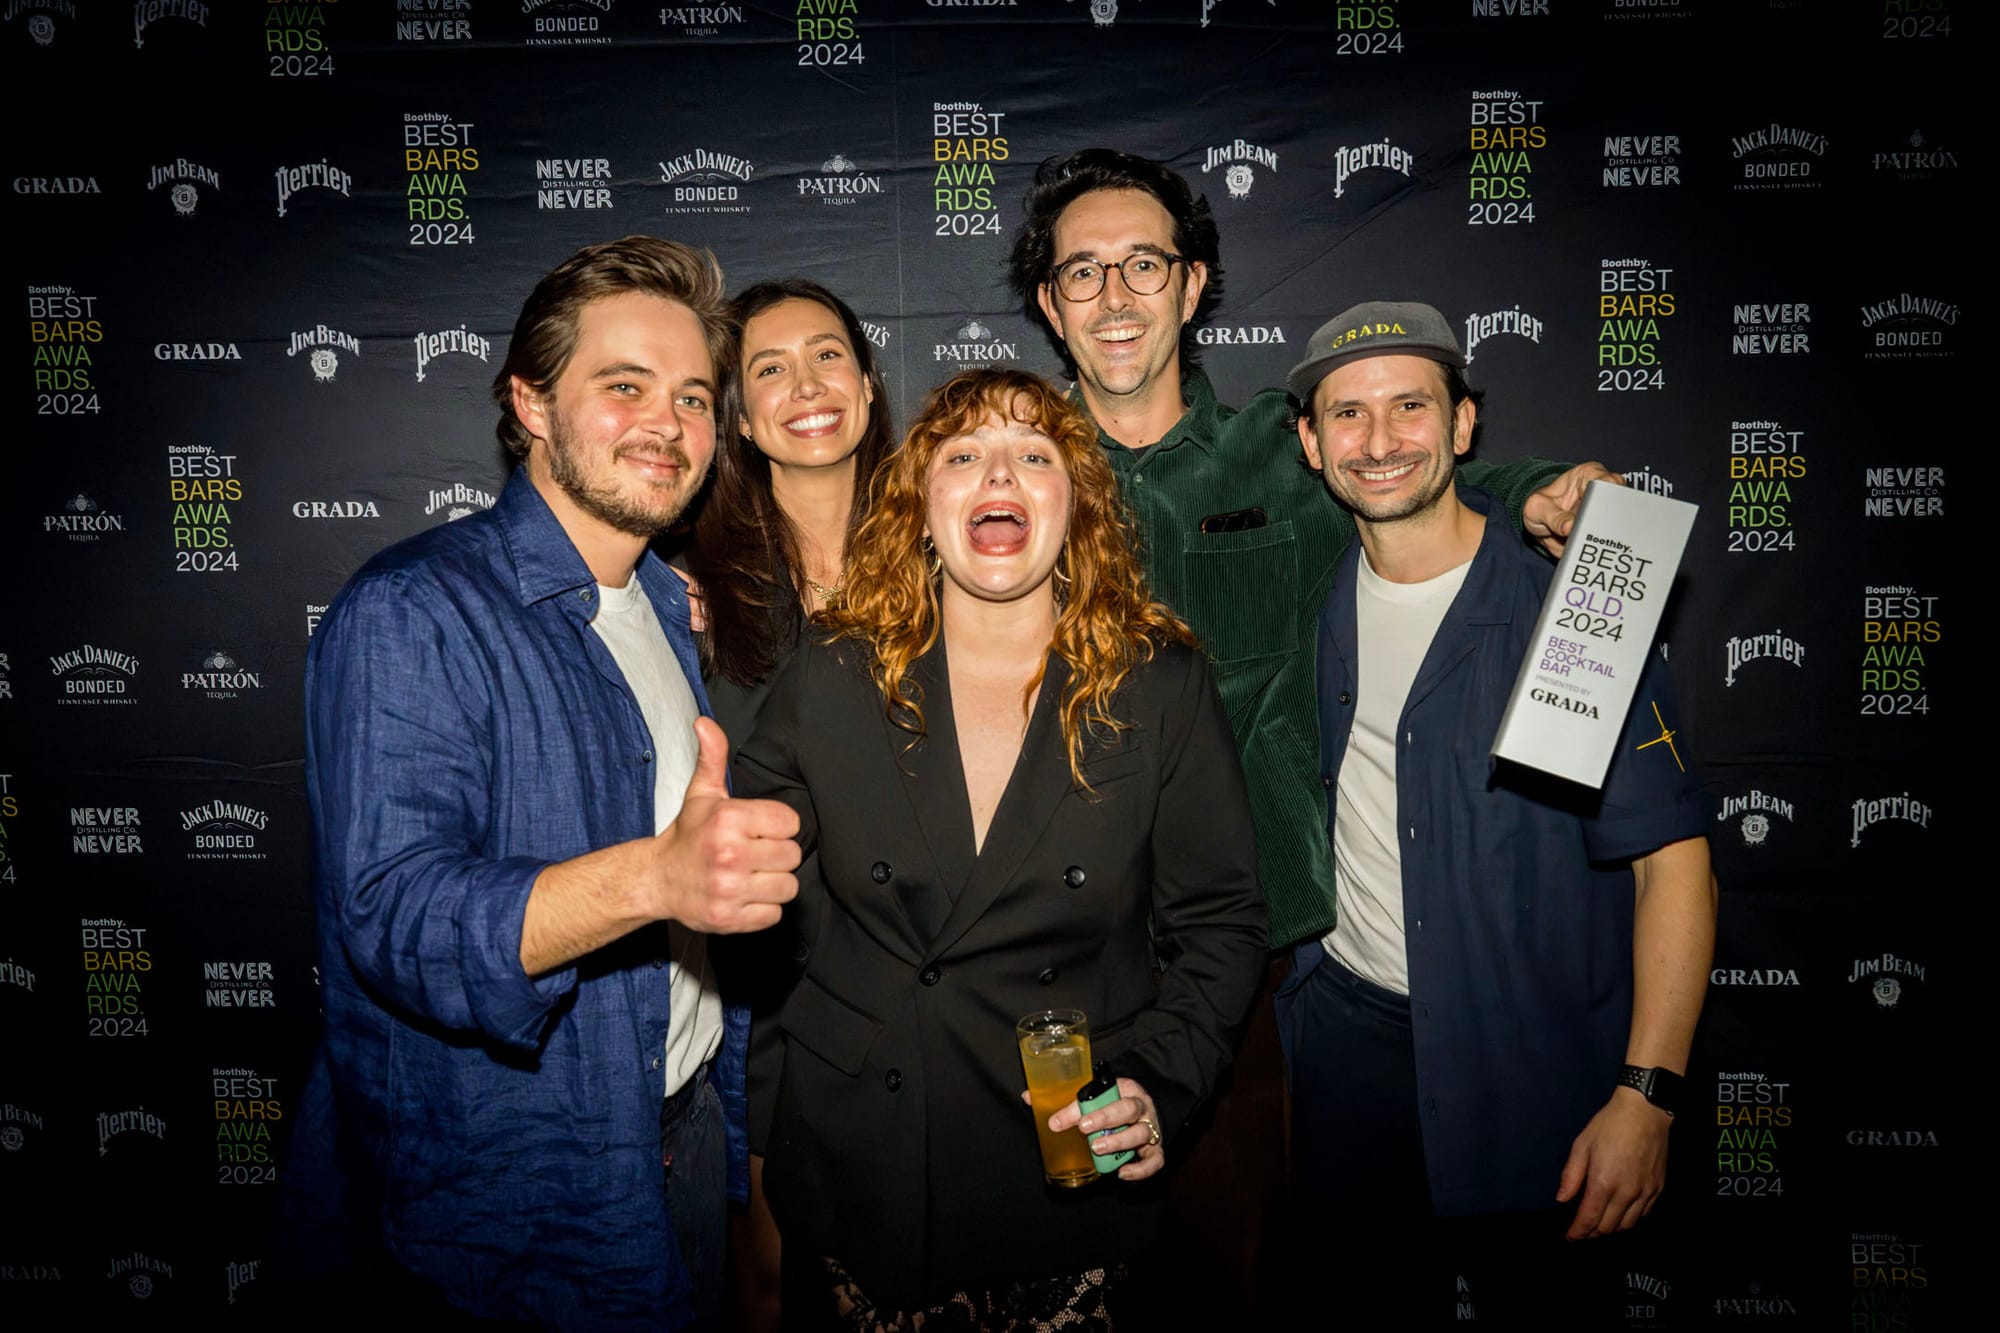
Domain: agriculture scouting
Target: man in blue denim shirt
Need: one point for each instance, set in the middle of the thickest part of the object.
(523, 837)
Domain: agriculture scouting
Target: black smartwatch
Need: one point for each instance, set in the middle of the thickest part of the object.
(1661, 1087)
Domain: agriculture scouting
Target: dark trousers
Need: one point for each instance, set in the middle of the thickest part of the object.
(694, 1145)
(1365, 1242)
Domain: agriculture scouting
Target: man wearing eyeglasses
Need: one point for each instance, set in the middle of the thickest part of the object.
(1119, 256)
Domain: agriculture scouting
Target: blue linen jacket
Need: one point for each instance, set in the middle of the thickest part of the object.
(1517, 887)
(466, 728)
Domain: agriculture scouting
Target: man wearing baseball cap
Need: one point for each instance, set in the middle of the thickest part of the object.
(1484, 1052)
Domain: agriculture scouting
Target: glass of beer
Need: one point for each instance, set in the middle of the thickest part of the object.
(1055, 1055)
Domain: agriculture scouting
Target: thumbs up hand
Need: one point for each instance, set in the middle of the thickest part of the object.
(724, 865)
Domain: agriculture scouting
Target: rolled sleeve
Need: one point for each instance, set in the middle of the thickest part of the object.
(399, 757)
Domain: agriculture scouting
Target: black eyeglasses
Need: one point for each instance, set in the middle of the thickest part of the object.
(1144, 272)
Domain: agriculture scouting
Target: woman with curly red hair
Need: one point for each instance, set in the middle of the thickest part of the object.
(1018, 792)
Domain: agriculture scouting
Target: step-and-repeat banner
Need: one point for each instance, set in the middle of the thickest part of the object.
(265, 258)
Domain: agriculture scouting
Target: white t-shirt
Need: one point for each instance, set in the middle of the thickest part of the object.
(1394, 625)
(628, 627)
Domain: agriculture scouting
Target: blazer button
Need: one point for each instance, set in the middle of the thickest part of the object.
(1074, 877)
(800, 952)
(931, 975)
(1047, 977)
(879, 872)
(893, 1080)
(1346, 698)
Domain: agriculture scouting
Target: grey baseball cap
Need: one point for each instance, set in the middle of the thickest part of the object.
(1374, 328)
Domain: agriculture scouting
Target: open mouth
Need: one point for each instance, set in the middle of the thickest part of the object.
(816, 423)
(1121, 333)
(999, 529)
(1380, 475)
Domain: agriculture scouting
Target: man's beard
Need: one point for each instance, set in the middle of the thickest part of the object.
(625, 513)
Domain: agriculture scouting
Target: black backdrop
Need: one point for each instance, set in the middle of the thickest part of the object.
(270, 254)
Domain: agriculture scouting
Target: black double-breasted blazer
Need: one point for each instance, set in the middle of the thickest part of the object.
(899, 1143)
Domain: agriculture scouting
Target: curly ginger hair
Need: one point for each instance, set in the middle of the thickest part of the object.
(1106, 622)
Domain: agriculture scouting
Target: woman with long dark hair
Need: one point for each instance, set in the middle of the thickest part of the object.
(1018, 792)
(801, 435)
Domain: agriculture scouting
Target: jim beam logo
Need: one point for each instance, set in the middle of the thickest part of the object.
(90, 675)
(567, 22)
(841, 183)
(1776, 646)
(1916, 491)
(973, 344)
(322, 347)
(703, 180)
(1239, 159)
(1650, 480)
(1905, 326)
(1900, 808)
(445, 342)
(148, 12)
(1917, 157)
(138, 1120)
(427, 21)
(224, 831)
(1641, 161)
(139, 1273)
(1778, 157)
(182, 180)
(457, 501)
(1768, 328)
(1103, 13)
(41, 17)
(1478, 328)
(1752, 814)
(82, 519)
(708, 20)
(16, 1124)
(320, 175)
(572, 182)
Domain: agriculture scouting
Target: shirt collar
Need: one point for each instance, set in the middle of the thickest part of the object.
(1194, 427)
(546, 561)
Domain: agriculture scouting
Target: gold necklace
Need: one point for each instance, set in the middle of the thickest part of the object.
(824, 593)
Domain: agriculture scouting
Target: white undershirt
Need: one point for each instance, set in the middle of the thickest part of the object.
(1394, 626)
(626, 623)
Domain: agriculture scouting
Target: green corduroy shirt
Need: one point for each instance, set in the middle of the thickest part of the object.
(1253, 597)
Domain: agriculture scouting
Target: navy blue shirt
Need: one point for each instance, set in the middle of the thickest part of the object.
(465, 728)
(1517, 889)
